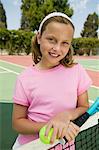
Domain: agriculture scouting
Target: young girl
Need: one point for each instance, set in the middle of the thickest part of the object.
(54, 90)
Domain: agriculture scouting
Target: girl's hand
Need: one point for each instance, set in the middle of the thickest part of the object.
(60, 124)
(71, 132)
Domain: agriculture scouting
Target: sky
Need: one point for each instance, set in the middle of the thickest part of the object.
(82, 8)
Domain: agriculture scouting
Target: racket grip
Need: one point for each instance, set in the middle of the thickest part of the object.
(79, 122)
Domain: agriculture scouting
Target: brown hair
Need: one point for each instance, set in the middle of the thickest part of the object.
(36, 54)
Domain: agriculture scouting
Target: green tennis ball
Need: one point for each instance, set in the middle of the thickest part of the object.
(43, 138)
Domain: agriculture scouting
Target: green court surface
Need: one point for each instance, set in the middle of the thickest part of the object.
(8, 75)
(92, 64)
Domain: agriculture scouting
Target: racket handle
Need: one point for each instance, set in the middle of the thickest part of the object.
(79, 122)
(82, 119)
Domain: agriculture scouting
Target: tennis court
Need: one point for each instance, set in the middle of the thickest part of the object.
(10, 67)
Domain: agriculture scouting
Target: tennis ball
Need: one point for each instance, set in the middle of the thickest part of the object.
(43, 138)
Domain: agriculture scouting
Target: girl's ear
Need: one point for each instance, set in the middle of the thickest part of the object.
(38, 38)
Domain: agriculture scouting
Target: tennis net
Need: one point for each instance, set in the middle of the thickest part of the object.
(87, 139)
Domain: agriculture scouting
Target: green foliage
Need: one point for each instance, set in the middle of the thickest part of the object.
(91, 26)
(33, 11)
(87, 46)
(15, 42)
(2, 25)
(27, 42)
(4, 38)
(3, 22)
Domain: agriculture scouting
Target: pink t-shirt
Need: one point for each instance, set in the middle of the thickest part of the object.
(48, 92)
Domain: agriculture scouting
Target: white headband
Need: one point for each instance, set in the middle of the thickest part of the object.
(53, 15)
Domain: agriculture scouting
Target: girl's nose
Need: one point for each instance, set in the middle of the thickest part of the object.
(56, 47)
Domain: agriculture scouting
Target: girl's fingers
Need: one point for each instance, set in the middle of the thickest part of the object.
(49, 126)
(72, 131)
(71, 134)
(59, 132)
(63, 132)
(68, 137)
(54, 135)
(75, 126)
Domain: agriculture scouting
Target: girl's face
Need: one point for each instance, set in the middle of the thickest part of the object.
(54, 43)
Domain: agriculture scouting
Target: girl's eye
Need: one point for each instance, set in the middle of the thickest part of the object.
(65, 43)
(50, 39)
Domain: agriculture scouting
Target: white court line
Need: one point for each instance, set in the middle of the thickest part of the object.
(9, 70)
(12, 64)
(91, 69)
(96, 87)
(4, 72)
(87, 59)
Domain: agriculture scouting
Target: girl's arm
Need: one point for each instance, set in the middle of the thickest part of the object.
(82, 106)
(62, 122)
(20, 122)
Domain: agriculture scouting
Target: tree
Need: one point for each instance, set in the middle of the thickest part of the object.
(3, 22)
(33, 11)
(91, 26)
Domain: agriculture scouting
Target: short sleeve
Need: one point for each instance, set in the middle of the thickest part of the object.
(84, 81)
(20, 96)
